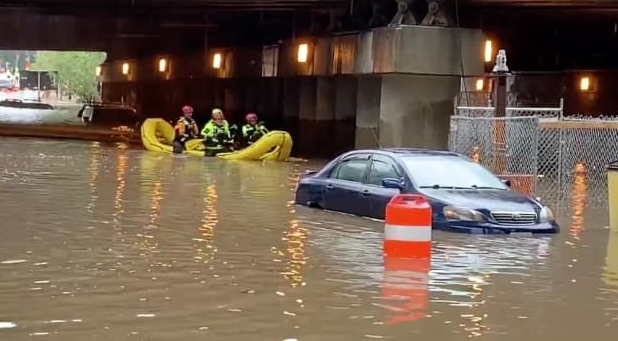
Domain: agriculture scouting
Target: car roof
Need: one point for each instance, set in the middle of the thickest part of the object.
(412, 152)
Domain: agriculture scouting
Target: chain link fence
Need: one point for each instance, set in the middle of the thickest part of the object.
(586, 147)
(506, 145)
(540, 151)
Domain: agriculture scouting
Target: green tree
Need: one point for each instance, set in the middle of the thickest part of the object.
(75, 71)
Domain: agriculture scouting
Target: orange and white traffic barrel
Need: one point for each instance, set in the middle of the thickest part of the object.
(405, 288)
(407, 229)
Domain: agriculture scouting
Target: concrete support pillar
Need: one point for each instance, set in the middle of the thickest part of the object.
(368, 96)
(233, 101)
(252, 95)
(416, 104)
(218, 89)
(290, 106)
(324, 116)
(203, 95)
(345, 113)
(415, 110)
(307, 124)
(267, 102)
(325, 99)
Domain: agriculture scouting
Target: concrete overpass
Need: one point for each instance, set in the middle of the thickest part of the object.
(387, 86)
(134, 28)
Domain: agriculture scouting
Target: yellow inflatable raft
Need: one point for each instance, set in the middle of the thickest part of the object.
(158, 136)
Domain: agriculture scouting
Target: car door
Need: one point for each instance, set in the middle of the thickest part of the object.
(380, 167)
(343, 188)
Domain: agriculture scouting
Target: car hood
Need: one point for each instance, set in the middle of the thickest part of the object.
(492, 200)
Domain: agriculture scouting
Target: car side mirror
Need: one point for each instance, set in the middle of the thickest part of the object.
(392, 183)
(507, 182)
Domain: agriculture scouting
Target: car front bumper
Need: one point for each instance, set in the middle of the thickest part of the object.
(489, 228)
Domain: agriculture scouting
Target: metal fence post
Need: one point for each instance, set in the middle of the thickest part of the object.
(500, 147)
(561, 189)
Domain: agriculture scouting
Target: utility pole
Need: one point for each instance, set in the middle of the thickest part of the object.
(38, 87)
(500, 95)
(500, 73)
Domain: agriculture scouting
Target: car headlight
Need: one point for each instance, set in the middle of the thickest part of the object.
(462, 213)
(546, 215)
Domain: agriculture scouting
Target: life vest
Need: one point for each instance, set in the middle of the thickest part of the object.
(188, 124)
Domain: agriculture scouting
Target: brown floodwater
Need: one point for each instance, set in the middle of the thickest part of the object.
(102, 242)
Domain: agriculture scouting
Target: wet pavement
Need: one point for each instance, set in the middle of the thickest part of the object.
(102, 242)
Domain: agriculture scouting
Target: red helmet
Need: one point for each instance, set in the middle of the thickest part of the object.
(187, 109)
(251, 117)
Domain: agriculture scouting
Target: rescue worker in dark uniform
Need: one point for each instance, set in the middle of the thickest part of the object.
(252, 130)
(185, 129)
(218, 134)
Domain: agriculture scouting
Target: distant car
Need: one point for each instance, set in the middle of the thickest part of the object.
(24, 104)
(464, 195)
(5, 83)
(110, 115)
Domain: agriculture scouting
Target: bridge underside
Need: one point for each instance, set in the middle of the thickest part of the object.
(135, 28)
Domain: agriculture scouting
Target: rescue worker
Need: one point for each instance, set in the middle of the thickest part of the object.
(185, 129)
(218, 135)
(252, 130)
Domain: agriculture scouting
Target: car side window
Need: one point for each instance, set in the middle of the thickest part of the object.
(380, 170)
(350, 170)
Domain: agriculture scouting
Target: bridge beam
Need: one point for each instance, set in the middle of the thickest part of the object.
(335, 20)
(404, 15)
(438, 14)
(379, 13)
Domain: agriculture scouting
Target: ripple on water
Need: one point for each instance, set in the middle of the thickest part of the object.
(119, 242)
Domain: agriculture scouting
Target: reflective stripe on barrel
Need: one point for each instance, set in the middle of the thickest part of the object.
(407, 233)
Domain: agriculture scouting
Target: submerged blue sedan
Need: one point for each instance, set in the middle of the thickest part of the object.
(464, 195)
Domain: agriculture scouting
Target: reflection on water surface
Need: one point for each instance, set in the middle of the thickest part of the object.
(105, 242)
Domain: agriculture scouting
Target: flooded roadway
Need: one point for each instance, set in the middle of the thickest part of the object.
(104, 242)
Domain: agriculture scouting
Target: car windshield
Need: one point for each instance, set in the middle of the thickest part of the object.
(450, 172)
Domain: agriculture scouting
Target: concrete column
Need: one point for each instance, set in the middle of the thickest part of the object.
(307, 124)
(267, 102)
(324, 116)
(202, 95)
(415, 110)
(290, 107)
(233, 101)
(368, 96)
(252, 95)
(417, 103)
(345, 113)
(218, 89)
